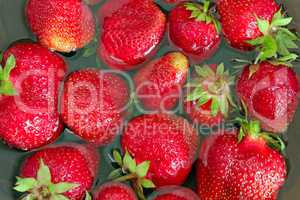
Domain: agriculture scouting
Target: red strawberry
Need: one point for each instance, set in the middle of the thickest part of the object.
(58, 171)
(247, 168)
(89, 107)
(132, 30)
(269, 92)
(114, 191)
(61, 25)
(168, 142)
(159, 83)
(193, 29)
(208, 100)
(29, 118)
(174, 193)
(239, 19)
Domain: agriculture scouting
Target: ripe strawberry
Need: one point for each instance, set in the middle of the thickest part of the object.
(269, 92)
(193, 29)
(57, 172)
(159, 83)
(239, 19)
(240, 167)
(174, 193)
(209, 100)
(132, 30)
(89, 107)
(28, 107)
(114, 191)
(168, 142)
(61, 25)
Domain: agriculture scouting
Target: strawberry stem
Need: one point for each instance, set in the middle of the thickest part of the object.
(126, 178)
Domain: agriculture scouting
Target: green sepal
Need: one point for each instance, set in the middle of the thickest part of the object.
(253, 69)
(87, 196)
(202, 13)
(25, 184)
(142, 169)
(216, 92)
(43, 174)
(59, 197)
(133, 172)
(147, 183)
(6, 86)
(252, 128)
(42, 186)
(274, 141)
(117, 157)
(129, 162)
(63, 187)
(115, 174)
(276, 41)
(197, 93)
(214, 106)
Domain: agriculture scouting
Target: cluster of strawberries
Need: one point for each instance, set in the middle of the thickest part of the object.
(158, 146)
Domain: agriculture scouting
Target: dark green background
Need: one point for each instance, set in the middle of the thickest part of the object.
(13, 27)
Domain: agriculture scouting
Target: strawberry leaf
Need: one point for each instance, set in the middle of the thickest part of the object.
(25, 184)
(214, 106)
(196, 94)
(9, 65)
(263, 25)
(87, 196)
(203, 99)
(220, 69)
(59, 197)
(43, 174)
(147, 183)
(129, 162)
(115, 174)
(117, 157)
(142, 169)
(63, 187)
(282, 22)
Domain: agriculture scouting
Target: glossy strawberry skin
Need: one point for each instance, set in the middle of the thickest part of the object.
(163, 140)
(238, 19)
(230, 170)
(30, 119)
(159, 83)
(270, 95)
(66, 164)
(130, 33)
(193, 37)
(174, 193)
(89, 108)
(202, 115)
(114, 191)
(61, 25)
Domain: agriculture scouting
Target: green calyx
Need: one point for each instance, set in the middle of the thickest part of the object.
(252, 128)
(202, 13)
(276, 41)
(41, 187)
(129, 170)
(212, 85)
(6, 86)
